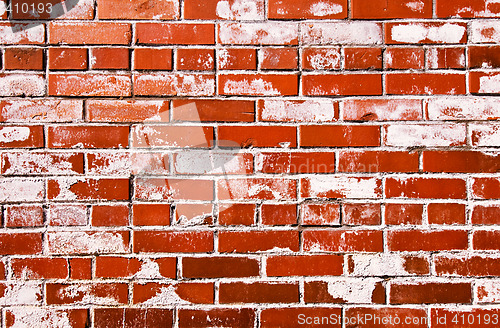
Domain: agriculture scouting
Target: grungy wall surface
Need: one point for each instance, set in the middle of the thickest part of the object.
(250, 163)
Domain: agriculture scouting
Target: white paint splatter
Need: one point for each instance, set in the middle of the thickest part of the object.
(416, 33)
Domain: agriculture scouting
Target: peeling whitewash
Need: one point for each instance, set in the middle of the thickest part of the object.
(463, 108)
(348, 187)
(35, 317)
(241, 9)
(341, 33)
(21, 293)
(21, 190)
(258, 33)
(441, 135)
(352, 290)
(78, 242)
(298, 111)
(416, 33)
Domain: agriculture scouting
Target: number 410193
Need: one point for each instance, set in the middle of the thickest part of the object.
(26, 8)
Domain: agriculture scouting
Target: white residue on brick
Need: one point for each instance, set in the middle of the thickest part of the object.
(223, 58)
(326, 59)
(465, 108)
(65, 185)
(487, 134)
(255, 33)
(149, 270)
(483, 31)
(180, 84)
(209, 162)
(21, 293)
(42, 110)
(417, 6)
(89, 85)
(29, 163)
(3, 8)
(416, 33)
(166, 296)
(114, 164)
(488, 291)
(21, 189)
(85, 292)
(14, 133)
(379, 265)
(23, 215)
(36, 317)
(240, 9)
(67, 215)
(321, 9)
(348, 187)
(489, 84)
(425, 135)
(21, 85)
(392, 109)
(341, 33)
(69, 242)
(353, 290)
(34, 34)
(250, 86)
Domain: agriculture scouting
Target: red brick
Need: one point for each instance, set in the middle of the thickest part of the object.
(174, 84)
(21, 136)
(127, 110)
(430, 292)
(23, 58)
(403, 214)
(428, 241)
(175, 33)
(466, 266)
(486, 214)
(172, 136)
(161, 188)
(88, 136)
(80, 268)
(278, 58)
(40, 268)
(363, 58)
(124, 9)
(382, 109)
(87, 189)
(107, 33)
(195, 59)
(230, 318)
(258, 84)
(20, 243)
(257, 188)
(133, 318)
(236, 214)
(297, 9)
(428, 33)
(321, 58)
(278, 214)
(110, 58)
(173, 241)
(320, 214)
(484, 57)
(213, 110)
(460, 162)
(404, 58)
(446, 213)
(258, 136)
(425, 188)
(319, 292)
(67, 58)
(259, 292)
(341, 187)
(214, 9)
(447, 58)
(486, 240)
(219, 267)
(467, 8)
(153, 59)
(123, 267)
(425, 84)
(486, 188)
(386, 317)
(23, 216)
(98, 293)
(484, 83)
(151, 214)
(257, 241)
(342, 84)
(381, 9)
(80, 242)
(237, 58)
(93, 85)
(377, 161)
(42, 163)
(339, 136)
(305, 265)
(198, 214)
(296, 317)
(342, 241)
(198, 293)
(259, 33)
(76, 318)
(361, 214)
(296, 162)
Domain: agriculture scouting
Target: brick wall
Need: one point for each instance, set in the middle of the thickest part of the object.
(250, 163)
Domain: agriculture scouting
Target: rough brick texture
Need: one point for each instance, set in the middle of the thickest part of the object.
(250, 163)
